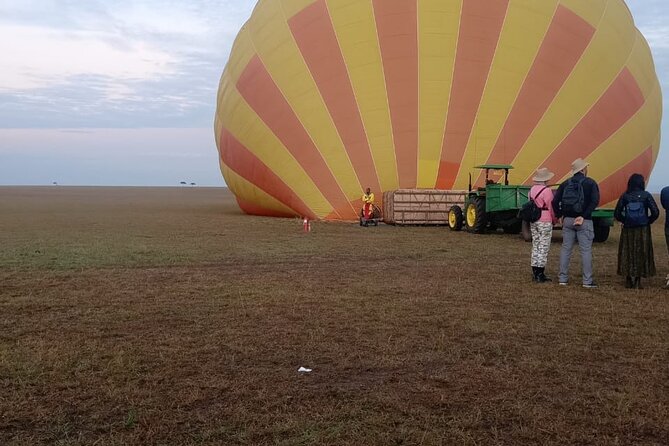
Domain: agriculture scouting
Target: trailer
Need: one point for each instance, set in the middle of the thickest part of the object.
(602, 220)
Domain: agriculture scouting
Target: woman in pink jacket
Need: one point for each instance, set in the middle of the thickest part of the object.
(542, 230)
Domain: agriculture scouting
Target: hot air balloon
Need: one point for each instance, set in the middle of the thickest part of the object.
(321, 99)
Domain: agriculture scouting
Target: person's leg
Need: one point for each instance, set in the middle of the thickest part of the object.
(585, 234)
(545, 231)
(666, 239)
(622, 268)
(534, 258)
(545, 235)
(629, 282)
(568, 240)
(649, 260)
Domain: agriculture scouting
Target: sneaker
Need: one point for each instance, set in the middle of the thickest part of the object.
(563, 283)
(590, 285)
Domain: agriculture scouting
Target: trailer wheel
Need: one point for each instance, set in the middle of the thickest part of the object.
(475, 218)
(455, 218)
(602, 233)
(513, 228)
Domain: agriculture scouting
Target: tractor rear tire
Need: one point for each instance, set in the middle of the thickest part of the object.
(455, 218)
(475, 218)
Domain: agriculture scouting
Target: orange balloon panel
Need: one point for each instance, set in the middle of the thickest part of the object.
(323, 98)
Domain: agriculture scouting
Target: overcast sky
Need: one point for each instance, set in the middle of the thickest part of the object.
(123, 92)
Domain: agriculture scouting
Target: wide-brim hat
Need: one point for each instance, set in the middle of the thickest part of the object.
(578, 165)
(543, 174)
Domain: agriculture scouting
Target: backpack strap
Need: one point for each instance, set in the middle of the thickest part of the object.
(535, 198)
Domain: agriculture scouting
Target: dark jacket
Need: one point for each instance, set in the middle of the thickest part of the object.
(641, 195)
(590, 193)
(664, 198)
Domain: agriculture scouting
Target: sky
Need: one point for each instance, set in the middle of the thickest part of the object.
(101, 92)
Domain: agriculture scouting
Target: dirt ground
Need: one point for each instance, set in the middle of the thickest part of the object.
(156, 316)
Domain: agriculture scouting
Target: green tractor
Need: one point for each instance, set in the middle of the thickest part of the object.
(496, 206)
(491, 207)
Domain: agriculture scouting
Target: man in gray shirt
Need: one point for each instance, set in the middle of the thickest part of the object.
(574, 202)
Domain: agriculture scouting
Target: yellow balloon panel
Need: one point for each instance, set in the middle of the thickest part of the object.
(437, 40)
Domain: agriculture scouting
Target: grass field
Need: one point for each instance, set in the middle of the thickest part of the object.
(165, 316)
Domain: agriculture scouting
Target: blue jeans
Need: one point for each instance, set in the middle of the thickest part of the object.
(584, 235)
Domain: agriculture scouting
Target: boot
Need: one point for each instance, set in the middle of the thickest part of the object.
(535, 274)
(637, 283)
(629, 282)
(541, 276)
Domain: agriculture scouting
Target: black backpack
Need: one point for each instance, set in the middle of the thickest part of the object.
(530, 212)
(636, 213)
(573, 198)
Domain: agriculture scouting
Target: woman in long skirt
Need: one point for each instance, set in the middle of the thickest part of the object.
(636, 210)
(542, 230)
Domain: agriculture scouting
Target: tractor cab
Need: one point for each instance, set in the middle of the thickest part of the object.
(488, 180)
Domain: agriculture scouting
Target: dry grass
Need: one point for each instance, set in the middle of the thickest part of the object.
(163, 316)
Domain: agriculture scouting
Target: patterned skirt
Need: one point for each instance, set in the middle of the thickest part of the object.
(635, 253)
(542, 233)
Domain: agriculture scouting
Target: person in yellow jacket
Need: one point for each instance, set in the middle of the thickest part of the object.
(368, 204)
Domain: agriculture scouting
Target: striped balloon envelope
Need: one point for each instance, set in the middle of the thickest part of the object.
(321, 99)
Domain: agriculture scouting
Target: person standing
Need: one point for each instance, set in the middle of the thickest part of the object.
(542, 229)
(664, 199)
(574, 202)
(636, 210)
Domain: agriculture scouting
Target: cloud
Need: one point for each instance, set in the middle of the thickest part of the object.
(657, 35)
(170, 20)
(94, 63)
(45, 58)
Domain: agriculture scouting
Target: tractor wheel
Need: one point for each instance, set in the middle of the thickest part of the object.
(455, 218)
(602, 233)
(513, 228)
(475, 218)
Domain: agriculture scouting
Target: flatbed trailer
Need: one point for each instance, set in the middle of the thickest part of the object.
(602, 220)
